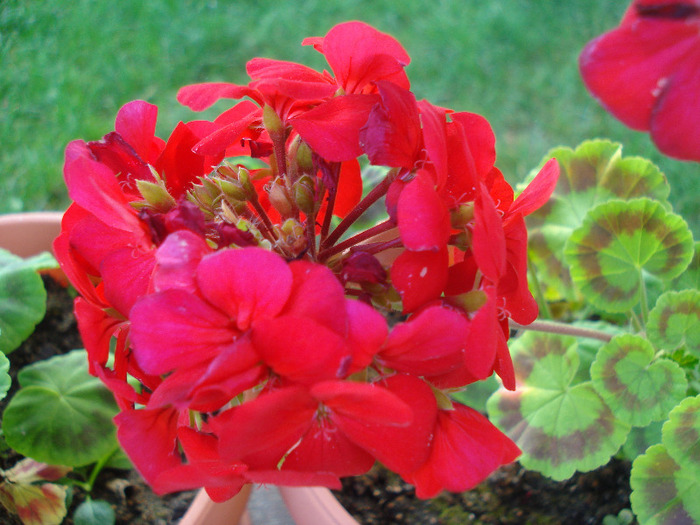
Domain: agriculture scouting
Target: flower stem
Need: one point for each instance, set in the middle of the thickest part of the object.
(539, 294)
(554, 327)
(352, 241)
(373, 196)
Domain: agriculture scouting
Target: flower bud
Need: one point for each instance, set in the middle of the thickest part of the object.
(232, 189)
(156, 195)
(273, 124)
(305, 194)
(462, 215)
(470, 301)
(279, 198)
(246, 184)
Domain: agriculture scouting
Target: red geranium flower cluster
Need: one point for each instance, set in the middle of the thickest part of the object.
(239, 315)
(646, 73)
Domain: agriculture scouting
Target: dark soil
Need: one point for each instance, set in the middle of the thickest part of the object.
(510, 496)
(133, 501)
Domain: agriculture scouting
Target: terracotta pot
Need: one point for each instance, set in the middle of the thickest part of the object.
(315, 506)
(27, 234)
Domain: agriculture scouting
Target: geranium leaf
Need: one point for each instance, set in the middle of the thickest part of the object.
(593, 173)
(641, 438)
(681, 434)
(22, 300)
(690, 278)
(560, 426)
(5, 379)
(617, 241)
(675, 321)
(94, 512)
(43, 504)
(636, 387)
(663, 492)
(61, 415)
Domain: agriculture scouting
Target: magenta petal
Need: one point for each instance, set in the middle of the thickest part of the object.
(246, 283)
(300, 349)
(174, 328)
(332, 129)
(136, 123)
(423, 219)
(177, 259)
(126, 275)
(367, 330)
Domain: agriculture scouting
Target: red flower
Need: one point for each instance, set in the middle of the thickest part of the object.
(647, 73)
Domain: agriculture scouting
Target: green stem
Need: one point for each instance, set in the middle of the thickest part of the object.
(645, 300)
(554, 327)
(545, 312)
(98, 468)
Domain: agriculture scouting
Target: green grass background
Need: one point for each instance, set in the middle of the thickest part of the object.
(67, 67)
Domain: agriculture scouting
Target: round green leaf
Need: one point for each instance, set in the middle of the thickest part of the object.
(94, 512)
(681, 434)
(593, 173)
(636, 387)
(22, 300)
(674, 322)
(5, 380)
(690, 278)
(560, 427)
(641, 438)
(617, 242)
(61, 415)
(663, 492)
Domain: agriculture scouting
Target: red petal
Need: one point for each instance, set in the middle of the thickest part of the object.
(537, 193)
(136, 123)
(431, 342)
(158, 452)
(419, 277)
(466, 449)
(423, 220)
(332, 129)
(349, 188)
(126, 275)
(247, 283)
(177, 259)
(199, 97)
(367, 330)
(488, 239)
(480, 138)
(359, 54)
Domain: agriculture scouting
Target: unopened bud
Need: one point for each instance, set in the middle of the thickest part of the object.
(462, 241)
(470, 301)
(273, 124)
(156, 195)
(246, 184)
(305, 194)
(232, 189)
(462, 215)
(279, 198)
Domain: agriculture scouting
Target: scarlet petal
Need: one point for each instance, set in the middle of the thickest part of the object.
(176, 261)
(332, 129)
(367, 330)
(359, 54)
(419, 277)
(282, 416)
(423, 220)
(400, 448)
(538, 192)
(480, 138)
(126, 276)
(199, 97)
(431, 342)
(246, 283)
(349, 188)
(159, 452)
(488, 239)
(466, 449)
